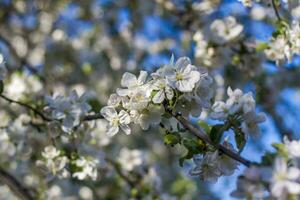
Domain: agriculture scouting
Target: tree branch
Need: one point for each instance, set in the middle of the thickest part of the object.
(276, 10)
(201, 135)
(15, 186)
(36, 111)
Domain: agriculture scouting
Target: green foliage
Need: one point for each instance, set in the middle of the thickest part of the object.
(216, 133)
(193, 146)
(240, 139)
(205, 126)
(261, 46)
(172, 138)
(268, 158)
(281, 150)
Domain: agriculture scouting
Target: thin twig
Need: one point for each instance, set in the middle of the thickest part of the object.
(201, 135)
(21, 191)
(36, 111)
(276, 10)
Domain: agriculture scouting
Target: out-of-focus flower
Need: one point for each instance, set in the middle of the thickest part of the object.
(129, 159)
(87, 168)
(69, 109)
(225, 30)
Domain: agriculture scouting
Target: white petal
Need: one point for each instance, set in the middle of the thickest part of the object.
(124, 117)
(108, 112)
(159, 97)
(112, 130)
(125, 128)
(142, 77)
(128, 80)
(182, 62)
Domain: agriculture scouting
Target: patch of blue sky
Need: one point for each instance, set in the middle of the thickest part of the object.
(123, 19)
(156, 28)
(68, 21)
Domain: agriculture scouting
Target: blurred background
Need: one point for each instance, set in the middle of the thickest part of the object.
(59, 45)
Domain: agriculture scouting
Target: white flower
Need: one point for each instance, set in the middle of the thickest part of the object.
(234, 102)
(147, 117)
(54, 162)
(206, 166)
(114, 100)
(139, 99)
(163, 91)
(225, 30)
(130, 159)
(182, 76)
(226, 164)
(284, 179)
(88, 168)
(50, 152)
(68, 109)
(292, 147)
(219, 111)
(130, 82)
(116, 120)
(98, 134)
(250, 123)
(278, 50)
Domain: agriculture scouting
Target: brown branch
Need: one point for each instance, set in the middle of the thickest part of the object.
(15, 186)
(276, 10)
(201, 135)
(36, 111)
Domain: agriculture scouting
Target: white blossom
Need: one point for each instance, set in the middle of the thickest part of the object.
(54, 162)
(182, 75)
(116, 120)
(285, 179)
(206, 167)
(70, 109)
(225, 30)
(88, 168)
(292, 147)
(130, 159)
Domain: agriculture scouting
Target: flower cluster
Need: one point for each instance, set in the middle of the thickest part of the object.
(241, 107)
(225, 30)
(54, 162)
(70, 110)
(143, 100)
(87, 168)
(212, 165)
(57, 163)
(279, 180)
(130, 159)
(285, 44)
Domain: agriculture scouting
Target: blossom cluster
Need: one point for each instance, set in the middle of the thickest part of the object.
(177, 87)
(70, 109)
(241, 107)
(277, 180)
(58, 164)
(284, 45)
(212, 165)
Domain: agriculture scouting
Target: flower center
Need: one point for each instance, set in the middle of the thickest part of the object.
(115, 121)
(179, 76)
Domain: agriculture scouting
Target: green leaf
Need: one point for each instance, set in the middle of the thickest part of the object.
(268, 159)
(216, 133)
(261, 46)
(240, 139)
(172, 138)
(1, 87)
(281, 149)
(193, 147)
(205, 126)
